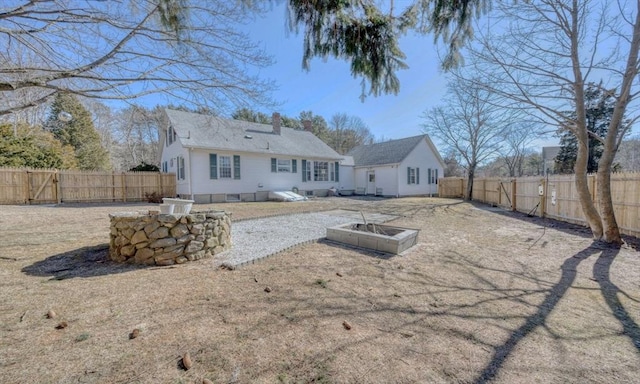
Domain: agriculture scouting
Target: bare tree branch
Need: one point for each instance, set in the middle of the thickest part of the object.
(126, 50)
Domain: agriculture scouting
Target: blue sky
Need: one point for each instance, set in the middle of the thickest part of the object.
(328, 88)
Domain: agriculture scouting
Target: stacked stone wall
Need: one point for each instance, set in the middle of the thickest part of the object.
(168, 239)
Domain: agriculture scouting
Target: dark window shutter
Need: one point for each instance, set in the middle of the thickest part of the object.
(417, 175)
(294, 166)
(304, 170)
(236, 167)
(274, 165)
(429, 177)
(213, 166)
(337, 171)
(181, 170)
(408, 175)
(436, 175)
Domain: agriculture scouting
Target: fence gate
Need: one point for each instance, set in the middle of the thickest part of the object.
(505, 188)
(42, 186)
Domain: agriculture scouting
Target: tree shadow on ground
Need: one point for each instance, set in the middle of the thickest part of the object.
(570, 228)
(82, 262)
(610, 292)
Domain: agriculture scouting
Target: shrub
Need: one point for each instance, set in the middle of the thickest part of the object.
(153, 197)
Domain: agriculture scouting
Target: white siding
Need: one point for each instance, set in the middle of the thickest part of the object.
(421, 157)
(386, 179)
(255, 175)
(360, 178)
(347, 180)
(170, 154)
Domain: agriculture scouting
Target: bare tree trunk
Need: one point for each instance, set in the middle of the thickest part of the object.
(615, 133)
(611, 232)
(469, 194)
(582, 187)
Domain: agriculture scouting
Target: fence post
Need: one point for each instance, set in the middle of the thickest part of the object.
(26, 187)
(58, 188)
(513, 195)
(484, 190)
(124, 187)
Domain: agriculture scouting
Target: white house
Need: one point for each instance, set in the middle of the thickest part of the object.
(404, 167)
(217, 160)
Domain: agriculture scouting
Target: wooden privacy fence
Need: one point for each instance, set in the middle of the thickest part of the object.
(554, 197)
(46, 186)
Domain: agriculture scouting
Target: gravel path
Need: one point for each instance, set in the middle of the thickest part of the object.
(259, 238)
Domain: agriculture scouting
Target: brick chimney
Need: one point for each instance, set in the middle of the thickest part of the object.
(275, 121)
(307, 125)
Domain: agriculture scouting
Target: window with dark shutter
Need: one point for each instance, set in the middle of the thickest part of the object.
(213, 166)
(274, 165)
(294, 166)
(236, 167)
(304, 170)
(181, 174)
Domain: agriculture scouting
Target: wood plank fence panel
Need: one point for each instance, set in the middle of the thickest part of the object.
(39, 186)
(563, 202)
(625, 193)
(42, 186)
(451, 187)
(14, 186)
(527, 197)
(559, 199)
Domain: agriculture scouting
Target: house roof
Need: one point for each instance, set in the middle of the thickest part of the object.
(211, 132)
(389, 152)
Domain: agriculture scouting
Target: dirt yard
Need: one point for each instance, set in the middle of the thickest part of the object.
(485, 296)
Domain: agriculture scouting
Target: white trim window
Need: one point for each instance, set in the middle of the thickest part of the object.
(432, 176)
(224, 164)
(221, 167)
(180, 174)
(284, 165)
(413, 175)
(321, 171)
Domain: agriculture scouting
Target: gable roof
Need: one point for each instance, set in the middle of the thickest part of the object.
(389, 152)
(211, 132)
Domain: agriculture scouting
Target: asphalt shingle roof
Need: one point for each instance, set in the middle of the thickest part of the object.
(211, 132)
(388, 152)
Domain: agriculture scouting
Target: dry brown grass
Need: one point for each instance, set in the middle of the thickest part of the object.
(484, 296)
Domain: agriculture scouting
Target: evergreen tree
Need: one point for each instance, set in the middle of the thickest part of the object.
(38, 149)
(318, 125)
(599, 108)
(71, 123)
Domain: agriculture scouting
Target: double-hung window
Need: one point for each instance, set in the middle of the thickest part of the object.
(171, 135)
(413, 175)
(334, 170)
(180, 174)
(283, 165)
(432, 176)
(306, 170)
(321, 171)
(224, 167)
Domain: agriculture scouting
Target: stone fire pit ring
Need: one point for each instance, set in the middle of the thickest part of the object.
(166, 239)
